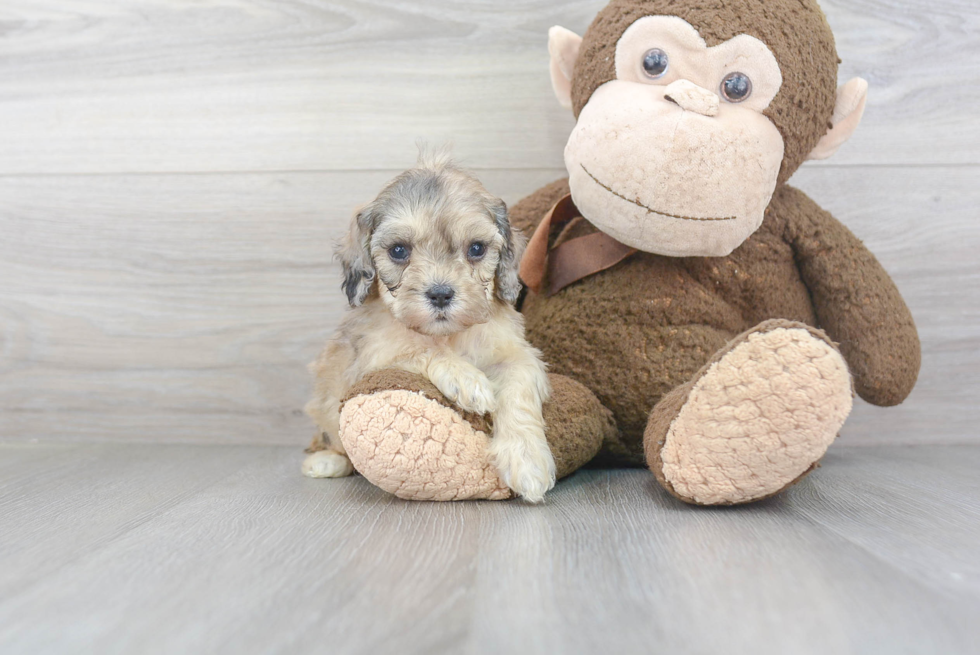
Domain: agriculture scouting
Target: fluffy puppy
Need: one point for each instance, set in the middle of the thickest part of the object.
(430, 270)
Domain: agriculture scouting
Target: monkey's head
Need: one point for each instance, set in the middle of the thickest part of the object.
(691, 113)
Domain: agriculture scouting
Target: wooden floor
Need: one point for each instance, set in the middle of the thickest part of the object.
(221, 549)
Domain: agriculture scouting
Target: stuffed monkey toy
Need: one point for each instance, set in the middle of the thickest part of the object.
(699, 315)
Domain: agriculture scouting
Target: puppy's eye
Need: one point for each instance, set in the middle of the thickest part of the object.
(655, 63)
(736, 87)
(477, 250)
(399, 252)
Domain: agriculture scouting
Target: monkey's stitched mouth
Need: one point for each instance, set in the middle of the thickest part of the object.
(652, 211)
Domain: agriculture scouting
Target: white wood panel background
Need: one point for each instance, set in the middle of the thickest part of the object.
(172, 174)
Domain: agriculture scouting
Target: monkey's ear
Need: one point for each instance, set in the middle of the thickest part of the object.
(851, 101)
(354, 252)
(563, 46)
(508, 285)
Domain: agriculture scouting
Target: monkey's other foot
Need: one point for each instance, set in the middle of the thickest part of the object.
(755, 420)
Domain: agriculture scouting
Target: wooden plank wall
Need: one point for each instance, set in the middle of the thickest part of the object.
(172, 173)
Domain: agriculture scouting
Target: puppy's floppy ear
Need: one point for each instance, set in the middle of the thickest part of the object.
(354, 252)
(508, 283)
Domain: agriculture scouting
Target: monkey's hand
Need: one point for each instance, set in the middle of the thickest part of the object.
(463, 384)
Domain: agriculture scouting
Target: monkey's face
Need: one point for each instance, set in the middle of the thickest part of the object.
(675, 156)
(679, 146)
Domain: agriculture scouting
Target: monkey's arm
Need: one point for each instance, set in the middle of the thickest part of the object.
(527, 213)
(856, 302)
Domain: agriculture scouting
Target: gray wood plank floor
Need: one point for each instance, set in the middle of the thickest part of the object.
(132, 548)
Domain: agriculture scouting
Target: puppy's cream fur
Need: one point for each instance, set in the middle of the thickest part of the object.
(473, 349)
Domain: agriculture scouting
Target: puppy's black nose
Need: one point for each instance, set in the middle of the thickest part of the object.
(440, 295)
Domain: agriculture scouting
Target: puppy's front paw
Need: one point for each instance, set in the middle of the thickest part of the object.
(476, 394)
(526, 466)
(468, 387)
(327, 464)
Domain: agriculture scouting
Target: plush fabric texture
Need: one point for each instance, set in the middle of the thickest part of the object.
(652, 342)
(393, 378)
(855, 301)
(755, 419)
(852, 99)
(690, 98)
(704, 201)
(408, 439)
(695, 65)
(563, 47)
(576, 424)
(417, 448)
(646, 326)
(796, 31)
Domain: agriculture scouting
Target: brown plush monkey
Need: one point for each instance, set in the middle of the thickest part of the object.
(710, 319)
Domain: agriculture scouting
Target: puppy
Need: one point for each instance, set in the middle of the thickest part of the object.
(430, 270)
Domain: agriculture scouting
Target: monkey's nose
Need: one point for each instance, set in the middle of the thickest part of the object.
(440, 295)
(692, 97)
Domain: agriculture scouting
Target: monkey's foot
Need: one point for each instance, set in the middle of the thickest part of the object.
(405, 437)
(755, 420)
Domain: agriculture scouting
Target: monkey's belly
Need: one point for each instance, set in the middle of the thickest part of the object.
(628, 363)
(635, 332)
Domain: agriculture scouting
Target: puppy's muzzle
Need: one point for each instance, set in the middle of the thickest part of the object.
(440, 295)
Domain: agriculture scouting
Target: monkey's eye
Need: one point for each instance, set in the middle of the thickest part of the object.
(399, 252)
(655, 63)
(736, 87)
(477, 250)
